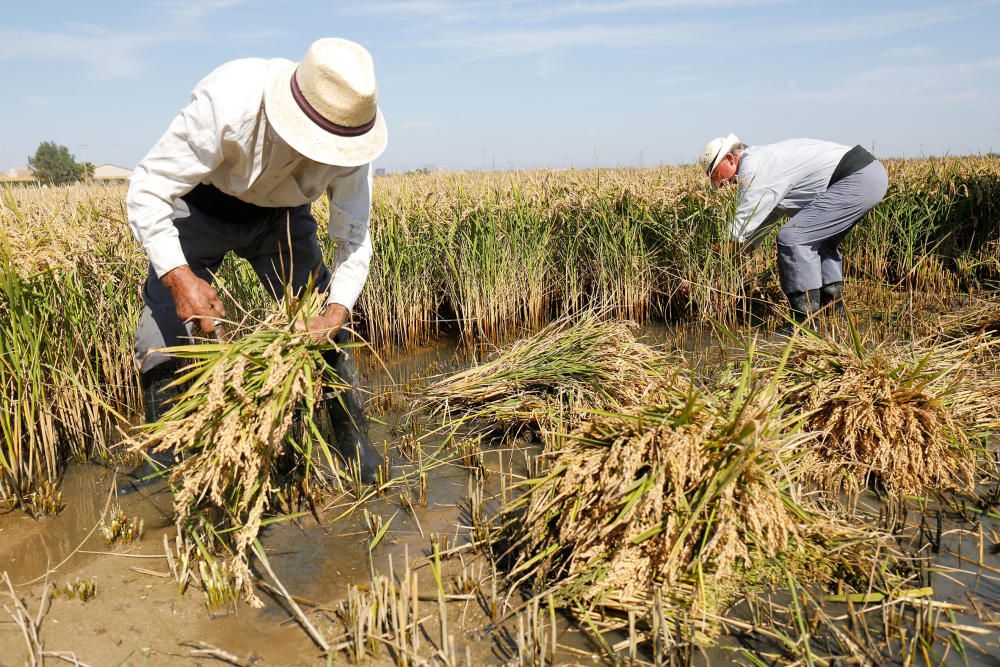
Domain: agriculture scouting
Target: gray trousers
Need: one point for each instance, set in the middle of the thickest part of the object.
(281, 247)
(809, 243)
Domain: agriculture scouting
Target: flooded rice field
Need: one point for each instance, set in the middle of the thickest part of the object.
(399, 579)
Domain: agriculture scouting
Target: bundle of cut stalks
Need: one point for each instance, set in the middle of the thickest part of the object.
(908, 417)
(569, 366)
(684, 503)
(982, 314)
(248, 404)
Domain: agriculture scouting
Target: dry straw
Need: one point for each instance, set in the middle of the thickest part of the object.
(980, 315)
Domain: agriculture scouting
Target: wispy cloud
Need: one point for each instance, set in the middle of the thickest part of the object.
(527, 10)
(586, 9)
(524, 41)
(683, 74)
(515, 28)
(919, 81)
(924, 83)
(188, 12)
(904, 52)
(874, 26)
(105, 54)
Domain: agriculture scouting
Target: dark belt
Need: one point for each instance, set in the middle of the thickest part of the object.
(853, 161)
(213, 202)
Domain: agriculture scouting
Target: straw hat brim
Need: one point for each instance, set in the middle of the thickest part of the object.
(308, 138)
(727, 145)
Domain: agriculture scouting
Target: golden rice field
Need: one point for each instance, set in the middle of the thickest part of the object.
(597, 452)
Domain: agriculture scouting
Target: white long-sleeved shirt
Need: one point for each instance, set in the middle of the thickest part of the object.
(781, 178)
(222, 137)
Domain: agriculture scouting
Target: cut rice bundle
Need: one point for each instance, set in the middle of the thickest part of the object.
(248, 404)
(684, 504)
(908, 418)
(981, 314)
(570, 366)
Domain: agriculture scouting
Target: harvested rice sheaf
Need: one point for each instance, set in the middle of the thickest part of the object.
(574, 364)
(248, 404)
(909, 417)
(981, 314)
(684, 503)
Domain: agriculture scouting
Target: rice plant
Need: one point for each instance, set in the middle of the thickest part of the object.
(674, 506)
(905, 418)
(572, 365)
(482, 255)
(244, 426)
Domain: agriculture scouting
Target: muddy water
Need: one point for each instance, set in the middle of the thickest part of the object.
(139, 617)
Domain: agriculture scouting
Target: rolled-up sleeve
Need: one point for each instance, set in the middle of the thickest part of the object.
(350, 214)
(189, 150)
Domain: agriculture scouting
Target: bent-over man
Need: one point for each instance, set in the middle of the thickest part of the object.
(236, 171)
(825, 188)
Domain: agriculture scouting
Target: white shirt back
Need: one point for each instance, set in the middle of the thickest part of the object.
(784, 177)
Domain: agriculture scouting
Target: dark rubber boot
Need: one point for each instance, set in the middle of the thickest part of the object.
(832, 298)
(347, 415)
(156, 399)
(801, 306)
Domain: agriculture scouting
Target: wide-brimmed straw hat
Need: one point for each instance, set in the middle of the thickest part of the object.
(714, 151)
(326, 107)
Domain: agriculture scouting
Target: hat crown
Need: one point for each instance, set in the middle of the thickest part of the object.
(337, 79)
(714, 150)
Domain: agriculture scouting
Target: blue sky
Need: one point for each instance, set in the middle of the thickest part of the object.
(511, 83)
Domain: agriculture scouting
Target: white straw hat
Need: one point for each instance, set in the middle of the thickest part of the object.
(714, 151)
(326, 107)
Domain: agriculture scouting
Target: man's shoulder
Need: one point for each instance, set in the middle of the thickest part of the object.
(753, 157)
(231, 95)
(238, 86)
(242, 74)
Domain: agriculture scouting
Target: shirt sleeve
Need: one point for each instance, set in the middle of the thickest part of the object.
(757, 203)
(350, 213)
(188, 151)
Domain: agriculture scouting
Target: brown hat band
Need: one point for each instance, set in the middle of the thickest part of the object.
(319, 119)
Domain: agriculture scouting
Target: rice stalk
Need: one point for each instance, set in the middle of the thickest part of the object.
(980, 315)
(572, 365)
(245, 427)
(677, 505)
(465, 252)
(908, 418)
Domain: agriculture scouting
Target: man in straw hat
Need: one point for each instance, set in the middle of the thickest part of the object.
(825, 188)
(237, 170)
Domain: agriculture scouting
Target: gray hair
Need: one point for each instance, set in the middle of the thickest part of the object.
(738, 148)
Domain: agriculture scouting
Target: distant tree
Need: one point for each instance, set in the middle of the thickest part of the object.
(54, 164)
(87, 170)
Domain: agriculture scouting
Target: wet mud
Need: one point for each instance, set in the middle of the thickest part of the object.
(139, 617)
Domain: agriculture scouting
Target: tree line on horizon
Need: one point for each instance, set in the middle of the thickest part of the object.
(53, 164)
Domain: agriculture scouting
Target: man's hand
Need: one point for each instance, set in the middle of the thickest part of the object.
(324, 327)
(194, 298)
